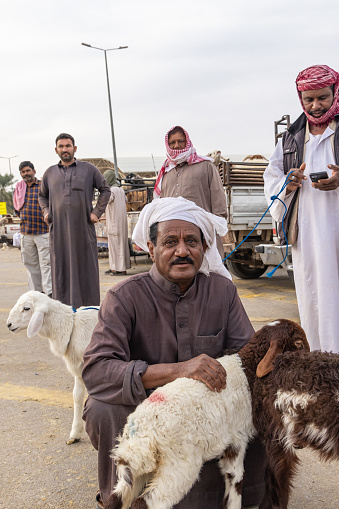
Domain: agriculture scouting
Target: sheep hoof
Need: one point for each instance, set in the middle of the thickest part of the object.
(72, 441)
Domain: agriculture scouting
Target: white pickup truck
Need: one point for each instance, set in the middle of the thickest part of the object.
(9, 225)
(244, 186)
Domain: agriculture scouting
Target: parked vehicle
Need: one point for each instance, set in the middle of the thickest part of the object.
(244, 188)
(246, 205)
(9, 225)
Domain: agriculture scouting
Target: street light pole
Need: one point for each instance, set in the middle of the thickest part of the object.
(109, 102)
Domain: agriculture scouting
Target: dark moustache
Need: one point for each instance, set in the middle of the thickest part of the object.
(180, 261)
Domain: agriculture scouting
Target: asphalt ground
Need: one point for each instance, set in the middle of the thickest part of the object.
(37, 468)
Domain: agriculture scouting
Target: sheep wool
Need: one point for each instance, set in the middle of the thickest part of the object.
(68, 333)
(212, 421)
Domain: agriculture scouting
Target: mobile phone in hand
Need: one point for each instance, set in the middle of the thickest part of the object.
(318, 176)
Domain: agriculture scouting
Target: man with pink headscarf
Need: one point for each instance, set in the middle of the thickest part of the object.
(311, 145)
(185, 173)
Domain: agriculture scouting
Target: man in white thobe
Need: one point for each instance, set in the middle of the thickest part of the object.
(117, 230)
(311, 145)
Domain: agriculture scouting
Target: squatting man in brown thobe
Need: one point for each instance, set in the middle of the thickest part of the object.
(161, 325)
(65, 197)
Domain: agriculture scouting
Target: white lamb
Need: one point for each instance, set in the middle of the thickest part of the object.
(68, 332)
(168, 446)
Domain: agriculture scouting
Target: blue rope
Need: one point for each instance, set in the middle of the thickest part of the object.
(273, 198)
(75, 309)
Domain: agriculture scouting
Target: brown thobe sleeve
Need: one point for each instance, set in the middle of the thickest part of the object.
(109, 373)
(104, 193)
(218, 197)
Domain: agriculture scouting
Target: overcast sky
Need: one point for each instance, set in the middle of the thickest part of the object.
(222, 69)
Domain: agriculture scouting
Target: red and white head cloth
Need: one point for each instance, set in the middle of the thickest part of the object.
(165, 209)
(19, 195)
(315, 78)
(174, 157)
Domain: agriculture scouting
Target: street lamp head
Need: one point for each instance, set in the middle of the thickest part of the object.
(102, 49)
(4, 157)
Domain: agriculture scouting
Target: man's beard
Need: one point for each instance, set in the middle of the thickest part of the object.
(319, 113)
(66, 157)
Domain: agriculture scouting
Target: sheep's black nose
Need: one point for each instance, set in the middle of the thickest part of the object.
(9, 325)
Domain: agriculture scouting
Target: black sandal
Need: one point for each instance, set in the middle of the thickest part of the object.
(99, 502)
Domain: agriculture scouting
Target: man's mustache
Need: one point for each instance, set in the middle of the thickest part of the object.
(322, 111)
(180, 260)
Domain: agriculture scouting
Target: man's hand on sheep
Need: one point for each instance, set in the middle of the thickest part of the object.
(203, 368)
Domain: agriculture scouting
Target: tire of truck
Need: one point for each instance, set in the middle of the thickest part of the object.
(243, 271)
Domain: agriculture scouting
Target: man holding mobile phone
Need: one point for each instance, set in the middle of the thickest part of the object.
(310, 150)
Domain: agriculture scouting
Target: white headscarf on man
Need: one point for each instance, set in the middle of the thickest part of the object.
(165, 209)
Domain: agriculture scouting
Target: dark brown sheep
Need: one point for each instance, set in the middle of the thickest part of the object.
(296, 406)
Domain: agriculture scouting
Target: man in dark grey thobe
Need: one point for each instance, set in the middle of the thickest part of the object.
(65, 197)
(157, 326)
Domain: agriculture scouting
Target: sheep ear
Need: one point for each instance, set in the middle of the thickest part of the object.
(35, 323)
(265, 366)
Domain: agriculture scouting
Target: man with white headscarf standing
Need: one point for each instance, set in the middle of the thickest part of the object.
(194, 177)
(165, 324)
(311, 145)
(117, 229)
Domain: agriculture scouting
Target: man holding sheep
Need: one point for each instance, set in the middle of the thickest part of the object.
(158, 326)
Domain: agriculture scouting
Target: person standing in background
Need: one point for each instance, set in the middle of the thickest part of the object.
(34, 231)
(185, 173)
(66, 194)
(311, 145)
(117, 230)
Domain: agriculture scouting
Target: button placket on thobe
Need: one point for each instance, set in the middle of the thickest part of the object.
(178, 184)
(182, 329)
(67, 195)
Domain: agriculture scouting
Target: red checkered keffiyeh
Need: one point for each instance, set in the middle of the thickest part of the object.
(315, 78)
(174, 157)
